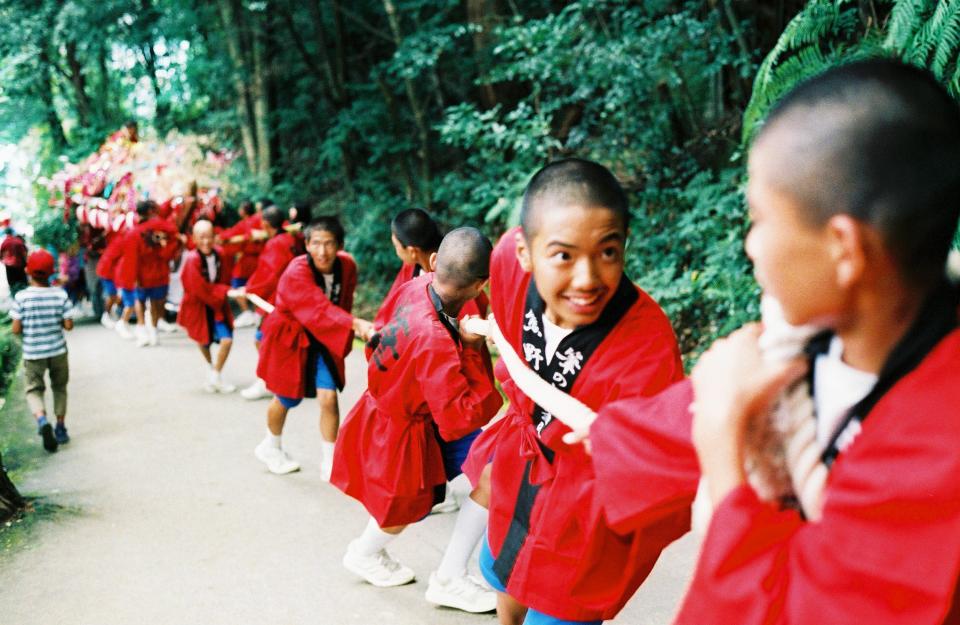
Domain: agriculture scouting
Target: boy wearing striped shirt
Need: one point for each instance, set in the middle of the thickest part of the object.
(40, 314)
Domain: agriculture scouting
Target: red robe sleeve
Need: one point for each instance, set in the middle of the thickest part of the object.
(887, 549)
(213, 294)
(266, 276)
(349, 277)
(328, 323)
(462, 397)
(644, 441)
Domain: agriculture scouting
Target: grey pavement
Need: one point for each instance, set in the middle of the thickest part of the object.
(178, 524)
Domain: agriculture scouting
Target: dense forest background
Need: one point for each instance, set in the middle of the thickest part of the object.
(372, 106)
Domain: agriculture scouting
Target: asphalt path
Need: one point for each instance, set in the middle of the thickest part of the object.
(178, 524)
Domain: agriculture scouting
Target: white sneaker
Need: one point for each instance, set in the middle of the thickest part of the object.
(257, 390)
(245, 320)
(215, 383)
(465, 593)
(123, 330)
(141, 333)
(379, 569)
(449, 504)
(166, 327)
(152, 336)
(107, 321)
(276, 459)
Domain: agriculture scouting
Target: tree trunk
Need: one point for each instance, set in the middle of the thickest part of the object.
(419, 115)
(260, 95)
(245, 116)
(46, 96)
(79, 83)
(10, 500)
(482, 14)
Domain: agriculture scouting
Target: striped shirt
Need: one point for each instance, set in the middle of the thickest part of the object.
(42, 310)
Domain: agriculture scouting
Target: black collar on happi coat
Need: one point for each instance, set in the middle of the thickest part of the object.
(937, 318)
(450, 323)
(203, 266)
(337, 287)
(575, 349)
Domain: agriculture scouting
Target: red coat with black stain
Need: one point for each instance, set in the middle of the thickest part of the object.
(887, 548)
(571, 563)
(204, 299)
(145, 263)
(419, 377)
(277, 254)
(301, 308)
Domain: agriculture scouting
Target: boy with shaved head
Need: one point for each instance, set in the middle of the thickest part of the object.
(854, 194)
(426, 377)
(205, 311)
(561, 299)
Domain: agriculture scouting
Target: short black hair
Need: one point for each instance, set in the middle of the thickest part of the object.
(304, 209)
(145, 207)
(327, 223)
(246, 208)
(463, 257)
(878, 140)
(414, 227)
(573, 181)
(273, 216)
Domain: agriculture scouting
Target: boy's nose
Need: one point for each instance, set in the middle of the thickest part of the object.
(585, 275)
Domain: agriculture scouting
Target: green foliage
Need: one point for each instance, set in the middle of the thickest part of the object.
(52, 231)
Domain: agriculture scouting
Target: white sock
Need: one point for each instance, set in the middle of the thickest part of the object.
(272, 439)
(326, 449)
(459, 487)
(469, 528)
(372, 540)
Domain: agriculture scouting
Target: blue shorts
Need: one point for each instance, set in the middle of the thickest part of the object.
(155, 293)
(258, 335)
(533, 617)
(455, 452)
(130, 296)
(323, 380)
(220, 331)
(109, 287)
(238, 282)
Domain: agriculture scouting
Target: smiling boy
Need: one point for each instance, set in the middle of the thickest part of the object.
(560, 297)
(306, 339)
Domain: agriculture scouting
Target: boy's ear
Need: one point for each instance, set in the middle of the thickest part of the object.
(433, 261)
(523, 252)
(849, 244)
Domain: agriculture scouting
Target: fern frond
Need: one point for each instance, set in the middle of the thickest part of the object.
(947, 37)
(801, 39)
(904, 20)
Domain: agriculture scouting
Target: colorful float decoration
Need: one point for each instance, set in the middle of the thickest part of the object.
(178, 172)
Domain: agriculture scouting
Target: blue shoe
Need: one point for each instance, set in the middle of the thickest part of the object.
(49, 441)
(60, 432)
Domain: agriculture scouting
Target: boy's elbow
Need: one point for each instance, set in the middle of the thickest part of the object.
(68, 324)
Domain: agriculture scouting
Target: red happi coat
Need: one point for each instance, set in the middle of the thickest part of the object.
(277, 254)
(571, 564)
(204, 300)
(107, 265)
(302, 307)
(145, 265)
(887, 549)
(419, 378)
(248, 251)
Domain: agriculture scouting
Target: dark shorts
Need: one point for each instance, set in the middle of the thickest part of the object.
(455, 453)
(109, 287)
(154, 293)
(323, 380)
(238, 282)
(220, 331)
